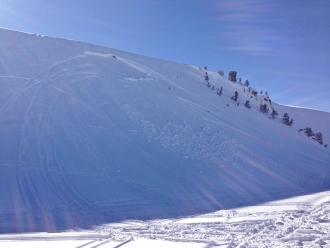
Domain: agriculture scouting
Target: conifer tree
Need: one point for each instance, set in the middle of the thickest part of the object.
(206, 77)
(274, 114)
(263, 108)
(232, 76)
(309, 131)
(235, 97)
(286, 119)
(319, 138)
(290, 122)
(247, 104)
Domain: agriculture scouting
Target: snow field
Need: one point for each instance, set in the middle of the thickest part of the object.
(92, 135)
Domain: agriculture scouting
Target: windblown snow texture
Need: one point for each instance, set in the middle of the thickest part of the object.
(90, 135)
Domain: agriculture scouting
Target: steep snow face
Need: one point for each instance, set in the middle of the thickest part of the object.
(91, 135)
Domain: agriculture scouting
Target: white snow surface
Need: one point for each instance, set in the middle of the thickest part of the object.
(295, 222)
(139, 152)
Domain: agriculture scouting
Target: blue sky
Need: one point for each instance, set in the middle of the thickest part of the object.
(279, 46)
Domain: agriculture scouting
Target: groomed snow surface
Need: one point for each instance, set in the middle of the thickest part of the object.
(105, 148)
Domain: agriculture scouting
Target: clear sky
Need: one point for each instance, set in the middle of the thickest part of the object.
(279, 46)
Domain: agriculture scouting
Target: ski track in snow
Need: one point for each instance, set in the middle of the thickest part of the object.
(52, 170)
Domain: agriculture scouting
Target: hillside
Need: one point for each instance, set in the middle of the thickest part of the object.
(92, 135)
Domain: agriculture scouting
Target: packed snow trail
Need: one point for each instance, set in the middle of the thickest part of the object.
(92, 135)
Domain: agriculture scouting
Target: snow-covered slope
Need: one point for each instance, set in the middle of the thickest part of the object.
(91, 135)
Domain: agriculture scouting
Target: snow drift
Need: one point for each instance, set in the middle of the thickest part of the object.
(91, 135)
